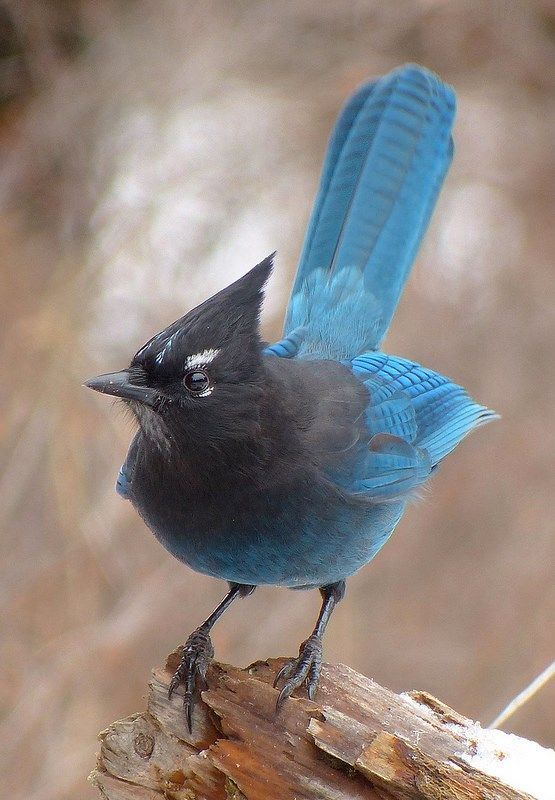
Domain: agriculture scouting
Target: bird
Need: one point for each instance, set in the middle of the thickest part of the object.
(290, 464)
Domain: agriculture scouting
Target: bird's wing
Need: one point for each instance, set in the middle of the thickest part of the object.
(125, 475)
(416, 404)
(385, 164)
(392, 469)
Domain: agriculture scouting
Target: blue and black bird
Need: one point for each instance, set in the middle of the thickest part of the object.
(291, 464)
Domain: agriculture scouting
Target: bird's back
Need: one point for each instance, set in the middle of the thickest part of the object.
(386, 161)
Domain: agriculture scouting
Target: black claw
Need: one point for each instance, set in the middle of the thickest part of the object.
(174, 683)
(195, 658)
(284, 672)
(188, 706)
(304, 669)
(282, 696)
(313, 676)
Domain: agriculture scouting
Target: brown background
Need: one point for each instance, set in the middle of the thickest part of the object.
(153, 151)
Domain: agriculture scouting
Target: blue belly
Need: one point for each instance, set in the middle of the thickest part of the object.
(279, 552)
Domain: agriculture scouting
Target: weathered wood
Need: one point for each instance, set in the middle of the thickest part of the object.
(359, 741)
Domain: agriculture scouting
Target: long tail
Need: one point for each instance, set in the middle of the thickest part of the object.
(386, 161)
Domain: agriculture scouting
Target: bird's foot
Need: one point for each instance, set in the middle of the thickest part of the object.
(197, 654)
(304, 669)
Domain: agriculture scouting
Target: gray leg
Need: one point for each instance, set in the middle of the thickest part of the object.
(306, 668)
(198, 652)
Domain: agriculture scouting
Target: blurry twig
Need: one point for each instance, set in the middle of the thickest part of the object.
(523, 696)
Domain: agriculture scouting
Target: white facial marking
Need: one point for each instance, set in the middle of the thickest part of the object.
(201, 359)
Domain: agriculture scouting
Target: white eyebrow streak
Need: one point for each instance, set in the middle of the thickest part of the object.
(201, 359)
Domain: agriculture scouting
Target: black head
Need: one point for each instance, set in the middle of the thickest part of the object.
(207, 364)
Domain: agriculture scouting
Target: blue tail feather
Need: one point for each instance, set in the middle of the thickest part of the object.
(333, 197)
(385, 165)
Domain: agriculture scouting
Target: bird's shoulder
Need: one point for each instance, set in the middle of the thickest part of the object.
(316, 392)
(363, 419)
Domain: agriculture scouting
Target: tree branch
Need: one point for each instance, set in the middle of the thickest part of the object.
(359, 740)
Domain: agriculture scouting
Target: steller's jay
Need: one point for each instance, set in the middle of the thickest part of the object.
(291, 464)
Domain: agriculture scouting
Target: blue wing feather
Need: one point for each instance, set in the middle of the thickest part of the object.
(287, 347)
(392, 469)
(124, 481)
(437, 413)
(394, 414)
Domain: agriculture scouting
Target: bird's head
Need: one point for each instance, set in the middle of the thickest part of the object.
(202, 375)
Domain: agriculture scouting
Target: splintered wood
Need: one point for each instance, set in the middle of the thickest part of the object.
(358, 741)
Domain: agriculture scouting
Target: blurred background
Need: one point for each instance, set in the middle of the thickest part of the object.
(151, 152)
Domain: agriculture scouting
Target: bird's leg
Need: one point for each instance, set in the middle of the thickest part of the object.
(198, 651)
(306, 668)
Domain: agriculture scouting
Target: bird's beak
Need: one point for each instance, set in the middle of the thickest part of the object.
(119, 384)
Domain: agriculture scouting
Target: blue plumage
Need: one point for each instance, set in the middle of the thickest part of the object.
(417, 404)
(291, 464)
(386, 161)
(385, 165)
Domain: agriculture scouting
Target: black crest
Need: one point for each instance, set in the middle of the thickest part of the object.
(228, 319)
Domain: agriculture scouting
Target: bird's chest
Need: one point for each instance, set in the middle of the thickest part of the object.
(233, 523)
(291, 528)
(203, 512)
(179, 497)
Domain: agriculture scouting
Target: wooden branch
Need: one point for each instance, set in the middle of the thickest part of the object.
(358, 741)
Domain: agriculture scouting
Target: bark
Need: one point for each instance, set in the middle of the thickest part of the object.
(358, 740)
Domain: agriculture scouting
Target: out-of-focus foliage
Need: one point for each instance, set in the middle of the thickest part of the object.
(152, 151)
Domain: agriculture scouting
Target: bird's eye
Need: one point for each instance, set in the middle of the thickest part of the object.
(196, 381)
